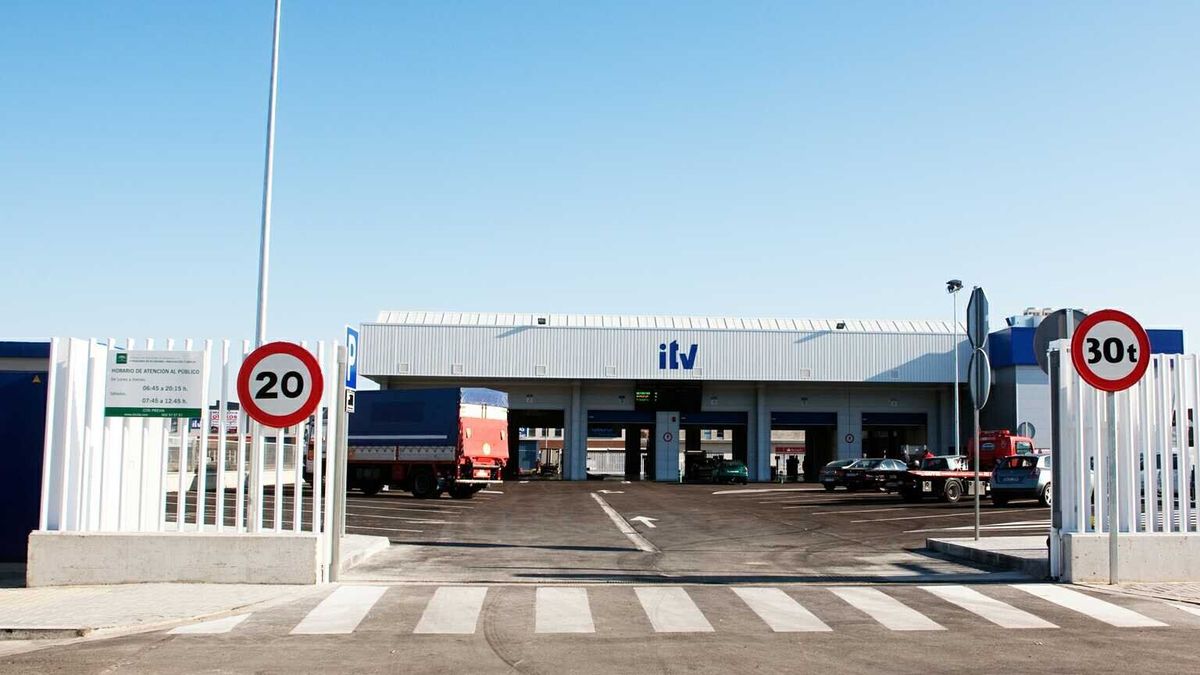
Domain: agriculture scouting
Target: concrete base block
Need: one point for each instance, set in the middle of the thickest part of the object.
(1141, 557)
(79, 558)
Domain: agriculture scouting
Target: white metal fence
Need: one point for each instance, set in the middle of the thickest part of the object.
(1156, 450)
(113, 474)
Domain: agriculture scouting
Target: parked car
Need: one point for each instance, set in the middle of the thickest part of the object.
(831, 473)
(1022, 477)
(889, 475)
(867, 473)
(730, 471)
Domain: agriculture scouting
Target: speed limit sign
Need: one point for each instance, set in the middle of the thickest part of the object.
(1110, 350)
(280, 384)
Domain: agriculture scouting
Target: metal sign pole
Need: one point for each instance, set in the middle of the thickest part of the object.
(976, 474)
(1111, 489)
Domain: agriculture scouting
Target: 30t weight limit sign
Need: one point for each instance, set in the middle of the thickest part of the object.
(1110, 350)
(280, 384)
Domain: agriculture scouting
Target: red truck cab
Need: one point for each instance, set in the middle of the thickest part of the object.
(997, 445)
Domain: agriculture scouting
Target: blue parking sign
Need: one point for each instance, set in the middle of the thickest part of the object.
(351, 358)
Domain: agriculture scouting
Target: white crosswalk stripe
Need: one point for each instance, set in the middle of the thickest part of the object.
(1000, 613)
(341, 611)
(891, 613)
(563, 610)
(671, 610)
(782, 613)
(214, 627)
(1113, 615)
(456, 610)
(453, 610)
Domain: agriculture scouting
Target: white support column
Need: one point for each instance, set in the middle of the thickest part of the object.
(575, 455)
(759, 435)
(666, 447)
(850, 424)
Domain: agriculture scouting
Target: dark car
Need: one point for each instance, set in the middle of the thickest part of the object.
(869, 473)
(1022, 477)
(831, 473)
(889, 475)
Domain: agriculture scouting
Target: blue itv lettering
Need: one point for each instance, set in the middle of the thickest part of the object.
(675, 357)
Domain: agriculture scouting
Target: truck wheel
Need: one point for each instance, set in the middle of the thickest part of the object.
(952, 492)
(1047, 496)
(462, 492)
(425, 485)
(371, 489)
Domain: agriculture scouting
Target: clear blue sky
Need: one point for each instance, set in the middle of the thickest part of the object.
(834, 160)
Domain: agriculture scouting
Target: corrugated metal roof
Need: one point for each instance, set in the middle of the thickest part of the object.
(419, 318)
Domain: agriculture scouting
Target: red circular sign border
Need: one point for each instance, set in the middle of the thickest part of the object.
(243, 384)
(1081, 365)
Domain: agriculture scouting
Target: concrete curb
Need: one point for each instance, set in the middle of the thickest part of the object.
(1033, 567)
(357, 548)
(43, 633)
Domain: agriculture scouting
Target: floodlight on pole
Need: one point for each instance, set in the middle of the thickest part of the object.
(953, 287)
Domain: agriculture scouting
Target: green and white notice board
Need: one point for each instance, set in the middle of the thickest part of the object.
(154, 383)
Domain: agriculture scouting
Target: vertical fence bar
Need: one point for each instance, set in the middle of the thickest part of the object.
(1162, 459)
(255, 503)
(202, 453)
(64, 522)
(145, 443)
(1179, 452)
(318, 448)
(239, 506)
(84, 510)
(1194, 442)
(331, 467)
(222, 405)
(1145, 417)
(297, 466)
(48, 436)
(184, 441)
(166, 458)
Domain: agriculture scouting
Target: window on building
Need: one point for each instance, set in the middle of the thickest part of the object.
(720, 433)
(707, 435)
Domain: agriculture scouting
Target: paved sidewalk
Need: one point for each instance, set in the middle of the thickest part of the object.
(1185, 591)
(74, 611)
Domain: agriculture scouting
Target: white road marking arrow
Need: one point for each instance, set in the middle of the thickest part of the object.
(612, 492)
(648, 522)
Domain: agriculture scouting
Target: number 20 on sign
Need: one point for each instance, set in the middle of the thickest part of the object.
(280, 384)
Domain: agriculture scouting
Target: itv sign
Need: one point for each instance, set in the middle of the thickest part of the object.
(673, 358)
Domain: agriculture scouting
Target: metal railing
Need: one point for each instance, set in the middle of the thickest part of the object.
(1156, 475)
(122, 474)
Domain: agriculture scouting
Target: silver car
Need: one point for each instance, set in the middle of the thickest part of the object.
(1022, 477)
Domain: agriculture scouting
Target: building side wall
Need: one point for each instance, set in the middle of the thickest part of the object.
(547, 352)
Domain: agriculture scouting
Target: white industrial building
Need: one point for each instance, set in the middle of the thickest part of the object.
(856, 388)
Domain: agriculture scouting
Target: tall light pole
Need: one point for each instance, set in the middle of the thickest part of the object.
(953, 287)
(253, 507)
(264, 245)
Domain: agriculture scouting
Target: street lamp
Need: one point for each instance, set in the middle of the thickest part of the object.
(953, 287)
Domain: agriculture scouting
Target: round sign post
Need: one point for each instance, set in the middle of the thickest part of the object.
(1111, 352)
(278, 385)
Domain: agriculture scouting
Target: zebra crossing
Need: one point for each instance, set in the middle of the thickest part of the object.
(456, 610)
